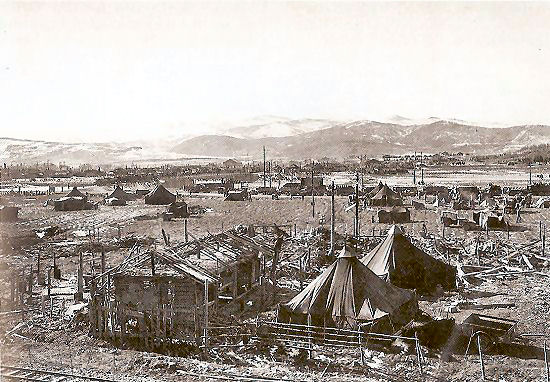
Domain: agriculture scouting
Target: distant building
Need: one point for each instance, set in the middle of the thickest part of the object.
(232, 164)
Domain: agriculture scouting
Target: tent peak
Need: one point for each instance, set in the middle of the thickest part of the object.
(395, 230)
(347, 251)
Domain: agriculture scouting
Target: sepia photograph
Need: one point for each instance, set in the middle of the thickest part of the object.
(274, 191)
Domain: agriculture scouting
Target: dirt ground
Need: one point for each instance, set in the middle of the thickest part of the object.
(62, 347)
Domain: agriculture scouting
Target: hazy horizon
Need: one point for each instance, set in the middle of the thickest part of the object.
(128, 71)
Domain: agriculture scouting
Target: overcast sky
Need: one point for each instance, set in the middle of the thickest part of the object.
(100, 71)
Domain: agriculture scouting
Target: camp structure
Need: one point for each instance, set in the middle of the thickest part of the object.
(120, 194)
(76, 193)
(491, 220)
(8, 214)
(236, 195)
(375, 190)
(543, 202)
(418, 205)
(75, 203)
(403, 264)
(348, 294)
(168, 294)
(178, 209)
(449, 218)
(160, 196)
(395, 215)
(386, 197)
(115, 202)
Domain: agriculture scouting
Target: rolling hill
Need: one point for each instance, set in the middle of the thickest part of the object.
(373, 139)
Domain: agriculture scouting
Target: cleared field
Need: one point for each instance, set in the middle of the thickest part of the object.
(527, 296)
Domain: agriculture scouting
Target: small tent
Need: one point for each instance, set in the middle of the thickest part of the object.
(542, 203)
(120, 194)
(179, 209)
(236, 195)
(346, 294)
(160, 196)
(403, 264)
(75, 193)
(492, 220)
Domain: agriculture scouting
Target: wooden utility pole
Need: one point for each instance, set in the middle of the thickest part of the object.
(264, 166)
(312, 191)
(529, 173)
(332, 219)
(356, 230)
(270, 175)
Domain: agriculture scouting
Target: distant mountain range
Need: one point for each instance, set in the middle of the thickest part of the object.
(372, 138)
(292, 139)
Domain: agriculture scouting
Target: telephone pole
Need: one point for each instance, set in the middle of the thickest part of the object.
(264, 166)
(356, 230)
(312, 190)
(332, 220)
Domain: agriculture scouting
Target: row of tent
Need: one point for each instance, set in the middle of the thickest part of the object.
(76, 200)
(375, 289)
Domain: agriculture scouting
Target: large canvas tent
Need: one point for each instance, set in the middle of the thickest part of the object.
(73, 204)
(160, 196)
(120, 194)
(347, 294)
(76, 193)
(386, 197)
(375, 190)
(403, 264)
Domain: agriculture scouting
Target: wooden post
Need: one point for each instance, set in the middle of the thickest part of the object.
(54, 264)
(152, 264)
(360, 338)
(80, 283)
(546, 363)
(38, 267)
(332, 220)
(418, 353)
(543, 240)
(480, 357)
(30, 283)
(102, 261)
(185, 230)
(205, 316)
(477, 251)
(235, 282)
(49, 282)
(309, 337)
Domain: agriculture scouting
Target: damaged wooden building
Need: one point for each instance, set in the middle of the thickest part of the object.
(169, 295)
